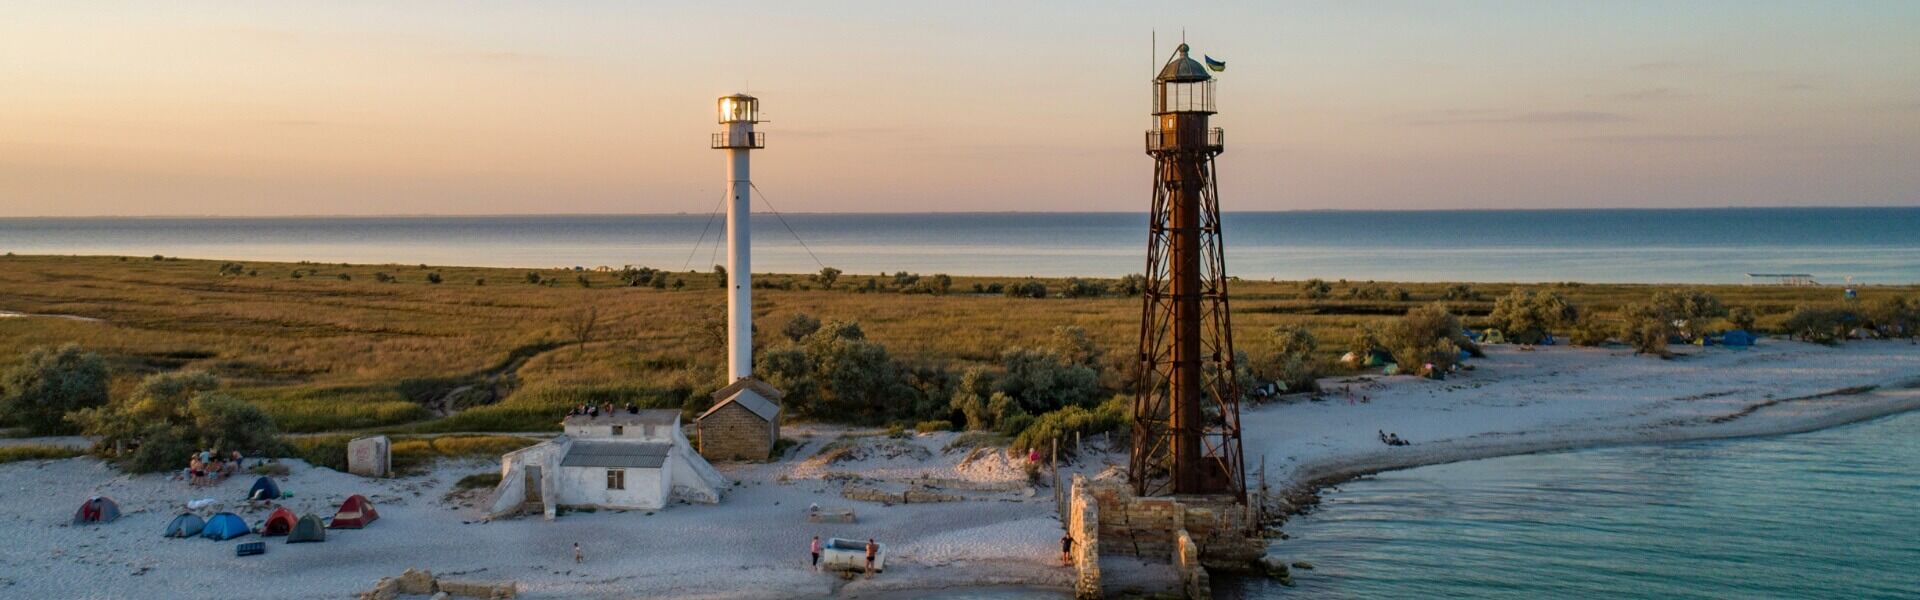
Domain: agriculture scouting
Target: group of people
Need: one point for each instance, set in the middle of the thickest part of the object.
(209, 466)
(1392, 439)
(605, 408)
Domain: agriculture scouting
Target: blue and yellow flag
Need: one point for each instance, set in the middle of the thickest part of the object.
(1215, 65)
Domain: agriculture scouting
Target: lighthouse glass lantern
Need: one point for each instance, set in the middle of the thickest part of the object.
(739, 108)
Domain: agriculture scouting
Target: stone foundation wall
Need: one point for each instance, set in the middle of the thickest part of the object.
(1186, 561)
(1224, 533)
(1083, 523)
(423, 583)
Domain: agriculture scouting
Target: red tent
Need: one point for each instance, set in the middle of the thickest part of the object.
(355, 513)
(279, 523)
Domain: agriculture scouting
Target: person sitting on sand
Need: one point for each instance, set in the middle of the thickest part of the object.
(238, 461)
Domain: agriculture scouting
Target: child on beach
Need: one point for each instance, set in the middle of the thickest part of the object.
(577, 555)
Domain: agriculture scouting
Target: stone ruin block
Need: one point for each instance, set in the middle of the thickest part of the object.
(370, 456)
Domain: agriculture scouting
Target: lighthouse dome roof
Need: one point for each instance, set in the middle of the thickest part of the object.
(1182, 68)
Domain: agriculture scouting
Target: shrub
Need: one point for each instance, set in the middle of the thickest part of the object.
(1590, 330)
(170, 415)
(1687, 310)
(1113, 415)
(1820, 324)
(1026, 289)
(1080, 288)
(799, 326)
(36, 452)
(533, 277)
(827, 276)
(479, 281)
(1528, 317)
(232, 269)
(49, 383)
(272, 469)
(1460, 292)
(1292, 363)
(1426, 335)
(1315, 289)
(433, 278)
(932, 426)
(1895, 316)
(1131, 285)
(1741, 317)
(478, 481)
(1647, 328)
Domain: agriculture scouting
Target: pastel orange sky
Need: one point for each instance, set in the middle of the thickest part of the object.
(432, 107)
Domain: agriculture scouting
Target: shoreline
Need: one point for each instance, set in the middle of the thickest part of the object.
(1302, 495)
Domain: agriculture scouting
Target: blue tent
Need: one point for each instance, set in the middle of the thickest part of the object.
(1738, 338)
(185, 526)
(225, 526)
(264, 489)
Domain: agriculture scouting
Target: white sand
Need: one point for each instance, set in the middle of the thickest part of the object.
(1560, 398)
(753, 545)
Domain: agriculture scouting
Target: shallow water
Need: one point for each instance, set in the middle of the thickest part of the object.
(1874, 245)
(1828, 514)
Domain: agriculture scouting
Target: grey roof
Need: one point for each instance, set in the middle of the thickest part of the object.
(617, 454)
(1183, 68)
(655, 416)
(756, 396)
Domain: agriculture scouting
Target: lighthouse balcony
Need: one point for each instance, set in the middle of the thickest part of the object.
(755, 140)
(1168, 140)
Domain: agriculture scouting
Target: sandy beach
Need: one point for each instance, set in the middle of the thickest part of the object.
(753, 544)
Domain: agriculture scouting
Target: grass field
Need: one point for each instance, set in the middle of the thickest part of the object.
(336, 349)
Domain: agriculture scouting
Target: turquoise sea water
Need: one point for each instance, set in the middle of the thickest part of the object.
(1828, 514)
(1875, 245)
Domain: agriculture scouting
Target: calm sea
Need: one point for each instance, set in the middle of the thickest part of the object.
(1874, 245)
(1829, 514)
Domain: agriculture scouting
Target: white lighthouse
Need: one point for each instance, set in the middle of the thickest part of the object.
(738, 113)
(744, 422)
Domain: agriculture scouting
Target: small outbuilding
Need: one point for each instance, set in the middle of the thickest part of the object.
(743, 424)
(98, 509)
(633, 460)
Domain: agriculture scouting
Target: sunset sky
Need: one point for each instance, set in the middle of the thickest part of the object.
(426, 107)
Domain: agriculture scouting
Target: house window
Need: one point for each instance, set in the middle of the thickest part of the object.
(616, 479)
(619, 429)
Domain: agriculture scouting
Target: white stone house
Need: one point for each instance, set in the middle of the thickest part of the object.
(638, 461)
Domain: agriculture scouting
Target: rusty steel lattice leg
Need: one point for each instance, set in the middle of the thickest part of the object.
(1186, 432)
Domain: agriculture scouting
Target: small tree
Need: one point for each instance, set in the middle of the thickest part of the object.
(582, 324)
(1590, 330)
(1688, 310)
(1647, 328)
(1894, 316)
(720, 275)
(1820, 324)
(49, 383)
(1427, 335)
(1528, 317)
(1292, 363)
(826, 277)
(434, 278)
(170, 415)
(533, 277)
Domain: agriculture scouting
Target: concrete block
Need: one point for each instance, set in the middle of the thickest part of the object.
(370, 456)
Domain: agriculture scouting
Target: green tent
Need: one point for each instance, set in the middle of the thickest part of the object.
(309, 529)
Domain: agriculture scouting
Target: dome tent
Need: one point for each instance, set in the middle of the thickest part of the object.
(264, 489)
(225, 526)
(308, 529)
(355, 513)
(185, 526)
(98, 509)
(280, 522)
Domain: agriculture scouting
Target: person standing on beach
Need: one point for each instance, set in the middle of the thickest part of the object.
(578, 556)
(872, 549)
(815, 547)
(1066, 549)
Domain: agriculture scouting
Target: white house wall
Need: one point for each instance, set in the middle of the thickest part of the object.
(587, 486)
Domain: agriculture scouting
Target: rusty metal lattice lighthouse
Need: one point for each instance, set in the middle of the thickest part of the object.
(1186, 428)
